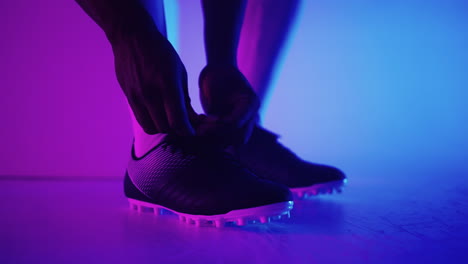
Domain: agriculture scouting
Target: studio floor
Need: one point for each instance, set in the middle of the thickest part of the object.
(385, 215)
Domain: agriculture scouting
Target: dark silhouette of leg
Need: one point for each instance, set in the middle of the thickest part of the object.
(226, 95)
(264, 32)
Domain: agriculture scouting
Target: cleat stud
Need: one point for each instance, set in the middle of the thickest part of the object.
(219, 223)
(240, 222)
(156, 211)
(264, 219)
(197, 223)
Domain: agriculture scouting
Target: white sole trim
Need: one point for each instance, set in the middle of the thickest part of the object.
(316, 189)
(261, 214)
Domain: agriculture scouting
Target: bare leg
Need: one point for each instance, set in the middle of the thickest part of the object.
(224, 91)
(222, 26)
(264, 33)
(156, 9)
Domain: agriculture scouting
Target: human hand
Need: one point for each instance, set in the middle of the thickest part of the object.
(154, 81)
(230, 103)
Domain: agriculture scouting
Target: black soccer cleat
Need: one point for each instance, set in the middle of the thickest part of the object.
(202, 185)
(269, 159)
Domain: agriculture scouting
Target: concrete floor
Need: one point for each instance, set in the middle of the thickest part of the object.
(399, 215)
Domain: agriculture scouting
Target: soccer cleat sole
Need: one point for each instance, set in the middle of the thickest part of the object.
(316, 189)
(261, 214)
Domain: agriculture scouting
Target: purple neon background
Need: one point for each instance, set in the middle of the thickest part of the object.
(362, 82)
(375, 87)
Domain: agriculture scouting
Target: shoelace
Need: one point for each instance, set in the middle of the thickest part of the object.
(190, 147)
(272, 138)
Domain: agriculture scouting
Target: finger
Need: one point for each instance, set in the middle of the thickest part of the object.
(247, 130)
(176, 110)
(192, 115)
(143, 117)
(238, 135)
(227, 94)
(244, 109)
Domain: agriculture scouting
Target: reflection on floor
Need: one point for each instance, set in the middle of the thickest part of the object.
(399, 216)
